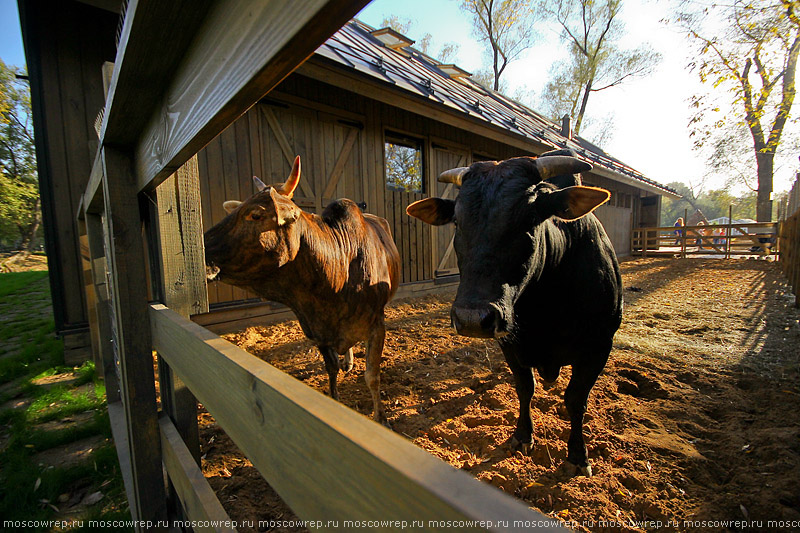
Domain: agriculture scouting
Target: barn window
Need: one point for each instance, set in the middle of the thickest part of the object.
(403, 160)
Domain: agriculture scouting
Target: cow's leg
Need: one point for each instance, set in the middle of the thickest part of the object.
(372, 375)
(584, 376)
(332, 366)
(525, 383)
(347, 365)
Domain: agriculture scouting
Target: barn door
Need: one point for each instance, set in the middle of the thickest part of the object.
(329, 149)
(444, 257)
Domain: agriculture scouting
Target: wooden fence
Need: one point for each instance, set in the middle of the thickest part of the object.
(140, 219)
(790, 252)
(752, 239)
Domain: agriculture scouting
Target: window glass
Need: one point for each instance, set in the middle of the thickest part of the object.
(403, 161)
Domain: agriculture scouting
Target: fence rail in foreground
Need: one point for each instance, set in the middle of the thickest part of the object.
(755, 239)
(789, 243)
(326, 461)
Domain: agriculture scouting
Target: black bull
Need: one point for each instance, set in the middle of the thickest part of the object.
(538, 273)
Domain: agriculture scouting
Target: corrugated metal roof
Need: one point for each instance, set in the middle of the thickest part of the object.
(410, 70)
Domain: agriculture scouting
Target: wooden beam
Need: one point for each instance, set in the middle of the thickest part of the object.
(178, 240)
(144, 65)
(338, 168)
(314, 443)
(288, 152)
(92, 200)
(131, 332)
(197, 497)
(242, 49)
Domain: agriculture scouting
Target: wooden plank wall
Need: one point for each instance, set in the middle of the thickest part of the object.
(339, 136)
(67, 43)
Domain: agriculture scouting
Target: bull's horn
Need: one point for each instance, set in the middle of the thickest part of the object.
(559, 165)
(454, 175)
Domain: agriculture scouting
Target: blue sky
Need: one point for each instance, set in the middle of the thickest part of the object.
(650, 115)
(11, 50)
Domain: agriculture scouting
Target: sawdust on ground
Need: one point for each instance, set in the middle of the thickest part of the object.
(695, 418)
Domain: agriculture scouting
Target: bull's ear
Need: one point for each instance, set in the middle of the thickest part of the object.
(434, 211)
(572, 203)
(231, 205)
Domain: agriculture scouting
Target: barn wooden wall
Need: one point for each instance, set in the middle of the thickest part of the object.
(67, 43)
(340, 139)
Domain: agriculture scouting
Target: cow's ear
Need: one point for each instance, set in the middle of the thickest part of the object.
(434, 211)
(231, 205)
(286, 211)
(572, 203)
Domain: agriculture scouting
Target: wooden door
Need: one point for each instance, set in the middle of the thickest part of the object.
(329, 150)
(444, 257)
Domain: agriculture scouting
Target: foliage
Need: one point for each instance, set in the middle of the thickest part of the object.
(591, 29)
(19, 189)
(506, 26)
(403, 167)
(714, 204)
(747, 53)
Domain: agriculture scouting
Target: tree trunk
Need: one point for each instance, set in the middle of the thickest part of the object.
(764, 162)
(579, 118)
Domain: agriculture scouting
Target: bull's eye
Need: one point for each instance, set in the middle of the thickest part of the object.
(254, 215)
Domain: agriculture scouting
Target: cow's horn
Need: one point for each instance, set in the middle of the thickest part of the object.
(454, 175)
(559, 165)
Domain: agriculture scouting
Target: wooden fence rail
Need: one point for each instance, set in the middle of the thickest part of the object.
(328, 463)
(790, 252)
(757, 239)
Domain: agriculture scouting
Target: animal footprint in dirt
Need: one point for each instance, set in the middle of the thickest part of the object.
(633, 383)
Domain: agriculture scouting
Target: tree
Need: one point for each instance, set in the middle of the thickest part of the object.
(506, 26)
(591, 28)
(20, 214)
(446, 53)
(753, 57)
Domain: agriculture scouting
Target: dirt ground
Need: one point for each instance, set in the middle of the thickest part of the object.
(695, 421)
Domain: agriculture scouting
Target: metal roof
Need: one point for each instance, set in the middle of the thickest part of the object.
(410, 70)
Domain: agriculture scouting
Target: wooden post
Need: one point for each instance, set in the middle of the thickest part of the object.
(132, 337)
(178, 234)
(108, 366)
(683, 233)
(728, 233)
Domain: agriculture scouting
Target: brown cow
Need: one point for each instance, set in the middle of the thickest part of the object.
(336, 271)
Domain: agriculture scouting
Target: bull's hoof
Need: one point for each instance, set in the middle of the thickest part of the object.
(578, 470)
(347, 361)
(516, 446)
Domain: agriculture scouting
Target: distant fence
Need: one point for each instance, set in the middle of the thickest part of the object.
(750, 239)
(789, 243)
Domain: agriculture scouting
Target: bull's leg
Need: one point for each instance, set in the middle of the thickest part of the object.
(583, 378)
(347, 364)
(372, 375)
(332, 366)
(525, 384)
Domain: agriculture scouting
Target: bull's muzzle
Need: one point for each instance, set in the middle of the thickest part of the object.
(486, 322)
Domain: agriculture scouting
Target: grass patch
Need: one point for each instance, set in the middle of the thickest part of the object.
(30, 350)
(13, 282)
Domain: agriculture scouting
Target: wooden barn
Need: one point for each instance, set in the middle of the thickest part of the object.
(148, 114)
